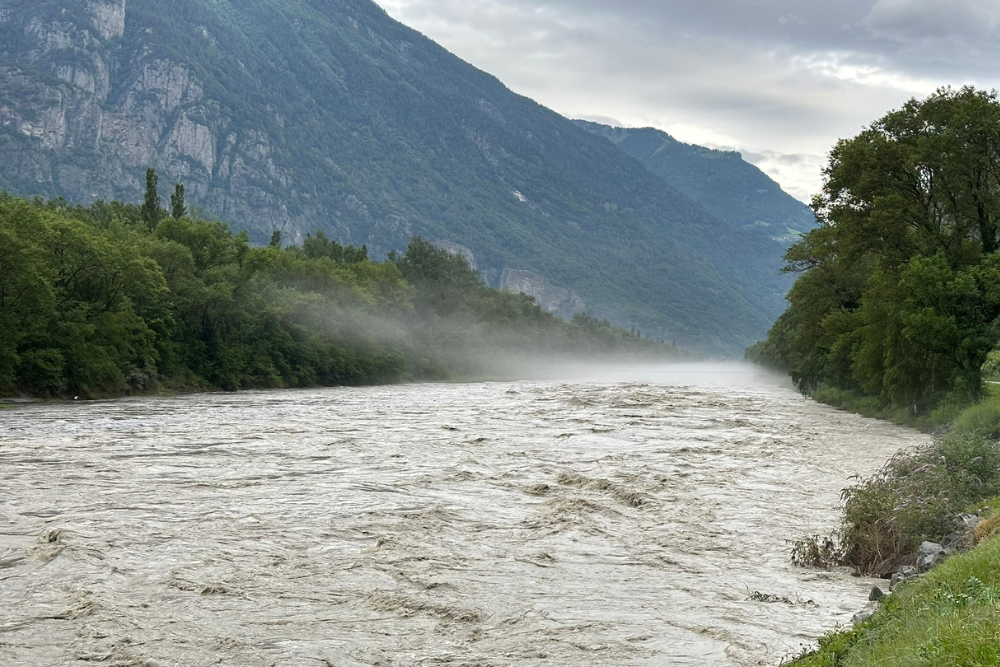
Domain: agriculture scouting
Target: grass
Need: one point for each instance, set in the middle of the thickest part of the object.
(949, 618)
(953, 414)
(866, 406)
(981, 419)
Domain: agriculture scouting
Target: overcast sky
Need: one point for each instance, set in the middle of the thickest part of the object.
(778, 80)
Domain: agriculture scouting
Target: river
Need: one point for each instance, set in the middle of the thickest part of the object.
(605, 519)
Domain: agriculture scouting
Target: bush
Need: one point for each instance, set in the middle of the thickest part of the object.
(916, 496)
(818, 551)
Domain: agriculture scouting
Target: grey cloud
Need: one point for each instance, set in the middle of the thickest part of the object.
(783, 79)
(786, 159)
(906, 20)
(603, 120)
(788, 170)
(914, 36)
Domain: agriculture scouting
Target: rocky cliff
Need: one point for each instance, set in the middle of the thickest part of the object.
(83, 116)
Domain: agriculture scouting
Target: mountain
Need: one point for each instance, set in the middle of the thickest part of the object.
(300, 115)
(730, 188)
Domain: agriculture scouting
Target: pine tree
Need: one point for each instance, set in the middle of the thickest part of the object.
(276, 238)
(151, 211)
(177, 209)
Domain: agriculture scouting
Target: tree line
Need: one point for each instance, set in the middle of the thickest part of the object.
(115, 298)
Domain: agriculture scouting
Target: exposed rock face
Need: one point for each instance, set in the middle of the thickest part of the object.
(84, 136)
(460, 250)
(108, 17)
(553, 299)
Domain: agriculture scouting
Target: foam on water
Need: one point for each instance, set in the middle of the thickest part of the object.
(582, 522)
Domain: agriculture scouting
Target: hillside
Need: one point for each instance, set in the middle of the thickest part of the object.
(298, 115)
(723, 182)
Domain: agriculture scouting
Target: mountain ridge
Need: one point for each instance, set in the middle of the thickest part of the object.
(751, 198)
(298, 115)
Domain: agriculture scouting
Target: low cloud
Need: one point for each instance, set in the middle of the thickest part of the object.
(909, 20)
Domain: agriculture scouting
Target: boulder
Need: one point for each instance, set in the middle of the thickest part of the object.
(929, 555)
(904, 573)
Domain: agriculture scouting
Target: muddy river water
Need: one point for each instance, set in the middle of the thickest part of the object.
(606, 520)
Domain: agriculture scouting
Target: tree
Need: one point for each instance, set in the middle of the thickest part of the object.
(275, 239)
(177, 209)
(151, 211)
(424, 262)
(896, 298)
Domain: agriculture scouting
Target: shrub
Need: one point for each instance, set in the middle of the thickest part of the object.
(916, 496)
(818, 551)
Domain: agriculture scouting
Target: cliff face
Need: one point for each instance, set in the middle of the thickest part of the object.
(84, 115)
(298, 115)
(554, 299)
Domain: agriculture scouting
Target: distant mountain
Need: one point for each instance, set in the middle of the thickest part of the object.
(722, 181)
(298, 115)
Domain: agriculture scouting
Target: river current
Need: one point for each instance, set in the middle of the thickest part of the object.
(602, 520)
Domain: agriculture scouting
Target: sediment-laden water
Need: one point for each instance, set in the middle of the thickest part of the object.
(563, 523)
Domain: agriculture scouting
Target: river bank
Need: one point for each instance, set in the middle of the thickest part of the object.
(951, 616)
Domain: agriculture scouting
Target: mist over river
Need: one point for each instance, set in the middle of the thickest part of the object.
(607, 519)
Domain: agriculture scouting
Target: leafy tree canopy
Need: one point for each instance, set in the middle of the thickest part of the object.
(899, 291)
(98, 301)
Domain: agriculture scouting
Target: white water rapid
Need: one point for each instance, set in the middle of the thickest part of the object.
(580, 522)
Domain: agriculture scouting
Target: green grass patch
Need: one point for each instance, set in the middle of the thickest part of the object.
(950, 618)
(980, 419)
(866, 406)
(987, 507)
(956, 415)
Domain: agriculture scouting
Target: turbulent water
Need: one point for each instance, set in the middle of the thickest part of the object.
(580, 522)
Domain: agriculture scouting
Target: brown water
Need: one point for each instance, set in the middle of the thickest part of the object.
(528, 523)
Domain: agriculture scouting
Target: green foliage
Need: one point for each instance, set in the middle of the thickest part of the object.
(982, 419)
(917, 494)
(177, 207)
(151, 211)
(319, 246)
(96, 301)
(895, 314)
(899, 295)
(818, 551)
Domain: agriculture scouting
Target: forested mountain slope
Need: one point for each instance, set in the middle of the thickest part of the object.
(298, 115)
(731, 188)
(116, 299)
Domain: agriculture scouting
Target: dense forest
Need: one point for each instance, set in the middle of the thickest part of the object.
(898, 296)
(116, 298)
